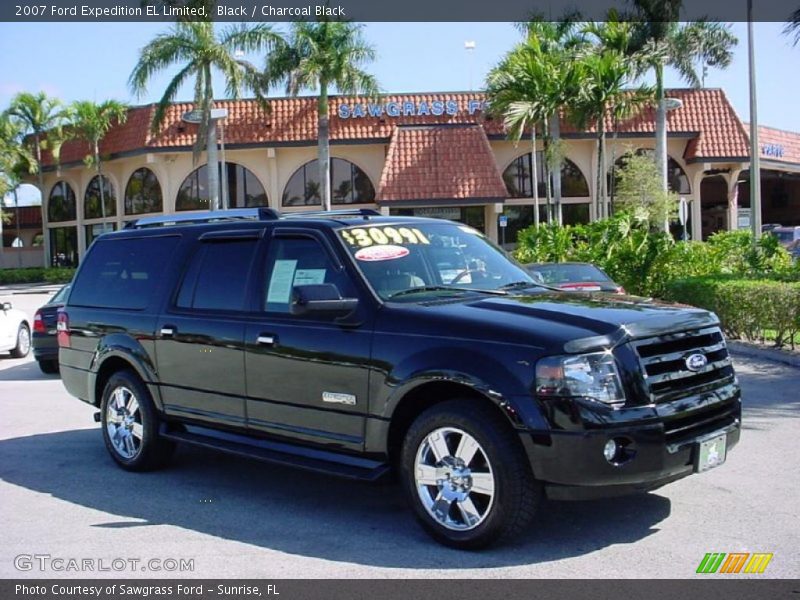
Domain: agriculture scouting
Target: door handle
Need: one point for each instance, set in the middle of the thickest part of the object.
(266, 339)
(168, 331)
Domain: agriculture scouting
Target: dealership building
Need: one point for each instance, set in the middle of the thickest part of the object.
(436, 154)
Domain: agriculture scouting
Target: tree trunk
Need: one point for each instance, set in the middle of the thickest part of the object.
(40, 182)
(661, 128)
(555, 132)
(547, 173)
(535, 178)
(324, 151)
(100, 181)
(212, 168)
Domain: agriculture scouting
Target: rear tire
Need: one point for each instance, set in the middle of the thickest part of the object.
(49, 367)
(130, 424)
(466, 475)
(23, 342)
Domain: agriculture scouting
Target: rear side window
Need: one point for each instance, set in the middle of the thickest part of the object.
(122, 273)
(216, 278)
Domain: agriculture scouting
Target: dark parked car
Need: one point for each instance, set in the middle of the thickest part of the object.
(572, 276)
(356, 344)
(45, 346)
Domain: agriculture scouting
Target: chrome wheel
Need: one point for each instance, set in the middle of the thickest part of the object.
(454, 479)
(23, 341)
(124, 423)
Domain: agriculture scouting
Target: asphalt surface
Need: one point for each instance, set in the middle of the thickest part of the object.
(61, 495)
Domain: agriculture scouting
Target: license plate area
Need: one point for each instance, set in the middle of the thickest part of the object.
(710, 453)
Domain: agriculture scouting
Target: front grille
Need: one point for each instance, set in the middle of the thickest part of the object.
(664, 364)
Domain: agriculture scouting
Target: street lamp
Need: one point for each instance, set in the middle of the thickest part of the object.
(212, 168)
(755, 160)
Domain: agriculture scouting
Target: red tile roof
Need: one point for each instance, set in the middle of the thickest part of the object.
(706, 116)
(777, 145)
(441, 162)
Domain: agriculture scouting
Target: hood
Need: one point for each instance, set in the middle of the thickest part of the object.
(573, 322)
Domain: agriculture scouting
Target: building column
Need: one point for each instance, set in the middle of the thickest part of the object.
(732, 179)
(490, 217)
(274, 194)
(696, 206)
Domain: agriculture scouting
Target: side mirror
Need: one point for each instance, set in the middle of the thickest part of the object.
(322, 298)
(6, 306)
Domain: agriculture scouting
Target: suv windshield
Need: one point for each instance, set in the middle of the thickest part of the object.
(429, 257)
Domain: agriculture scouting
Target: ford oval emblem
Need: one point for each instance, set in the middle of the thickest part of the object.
(695, 362)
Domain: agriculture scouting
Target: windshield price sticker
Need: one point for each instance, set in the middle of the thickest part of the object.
(367, 236)
(380, 253)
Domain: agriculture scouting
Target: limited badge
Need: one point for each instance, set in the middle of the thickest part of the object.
(384, 252)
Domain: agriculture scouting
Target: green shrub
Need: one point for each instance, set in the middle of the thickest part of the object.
(36, 275)
(749, 309)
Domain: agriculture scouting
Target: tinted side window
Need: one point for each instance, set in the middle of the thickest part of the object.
(216, 278)
(298, 261)
(122, 273)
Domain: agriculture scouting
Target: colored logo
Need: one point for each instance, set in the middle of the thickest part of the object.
(695, 362)
(734, 562)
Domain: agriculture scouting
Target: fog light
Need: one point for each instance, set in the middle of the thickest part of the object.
(610, 450)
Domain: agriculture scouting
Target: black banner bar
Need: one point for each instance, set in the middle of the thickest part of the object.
(715, 587)
(365, 10)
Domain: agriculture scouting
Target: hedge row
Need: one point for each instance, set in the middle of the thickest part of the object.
(36, 275)
(757, 310)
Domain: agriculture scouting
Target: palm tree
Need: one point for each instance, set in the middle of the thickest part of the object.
(199, 51)
(605, 74)
(91, 121)
(555, 42)
(660, 41)
(320, 55)
(16, 161)
(792, 27)
(512, 92)
(41, 118)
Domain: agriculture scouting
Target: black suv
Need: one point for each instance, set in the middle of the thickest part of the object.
(355, 344)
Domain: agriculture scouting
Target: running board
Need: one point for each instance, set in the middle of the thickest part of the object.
(309, 459)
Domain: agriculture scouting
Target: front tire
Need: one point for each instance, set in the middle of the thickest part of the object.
(130, 424)
(23, 342)
(466, 475)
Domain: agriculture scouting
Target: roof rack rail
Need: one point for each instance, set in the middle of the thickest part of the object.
(344, 212)
(213, 216)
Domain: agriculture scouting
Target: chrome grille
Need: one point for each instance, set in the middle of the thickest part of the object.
(665, 369)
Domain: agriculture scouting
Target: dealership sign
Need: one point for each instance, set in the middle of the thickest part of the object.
(775, 150)
(422, 108)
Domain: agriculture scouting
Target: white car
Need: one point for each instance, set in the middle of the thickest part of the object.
(15, 331)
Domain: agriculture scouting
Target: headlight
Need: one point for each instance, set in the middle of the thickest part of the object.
(592, 376)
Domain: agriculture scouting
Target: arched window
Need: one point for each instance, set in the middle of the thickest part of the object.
(91, 199)
(349, 185)
(244, 189)
(143, 193)
(519, 181)
(61, 204)
(677, 180)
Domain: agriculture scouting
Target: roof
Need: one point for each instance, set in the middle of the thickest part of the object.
(777, 145)
(443, 163)
(706, 117)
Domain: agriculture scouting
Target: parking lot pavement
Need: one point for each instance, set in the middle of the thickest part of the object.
(61, 495)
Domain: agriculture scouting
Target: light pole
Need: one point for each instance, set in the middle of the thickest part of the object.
(469, 46)
(212, 166)
(755, 162)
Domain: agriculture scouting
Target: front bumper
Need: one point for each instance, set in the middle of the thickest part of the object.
(660, 448)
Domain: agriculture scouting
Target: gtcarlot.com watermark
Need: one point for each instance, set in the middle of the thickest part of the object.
(59, 564)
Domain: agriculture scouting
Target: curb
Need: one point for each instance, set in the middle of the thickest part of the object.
(771, 354)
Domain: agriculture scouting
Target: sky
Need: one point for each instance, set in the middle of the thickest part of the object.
(92, 61)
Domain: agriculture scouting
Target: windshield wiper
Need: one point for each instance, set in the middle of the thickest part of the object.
(445, 288)
(520, 285)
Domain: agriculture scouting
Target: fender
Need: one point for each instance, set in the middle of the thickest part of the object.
(131, 351)
(507, 386)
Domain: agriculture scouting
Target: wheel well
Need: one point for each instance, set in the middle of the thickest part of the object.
(107, 369)
(420, 399)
